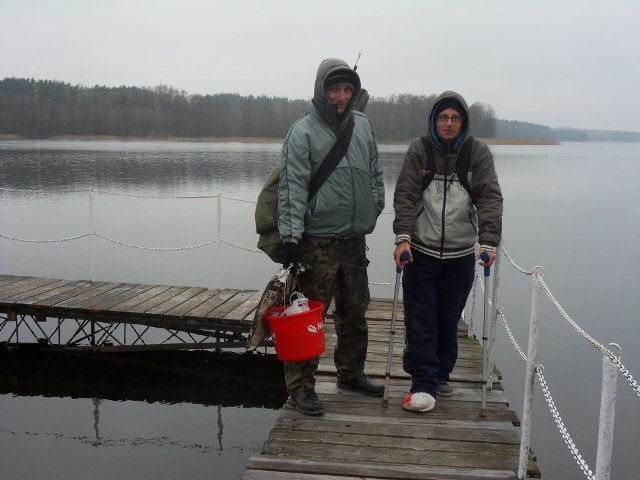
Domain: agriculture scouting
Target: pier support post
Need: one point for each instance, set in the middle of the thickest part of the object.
(607, 415)
(527, 408)
(91, 235)
(219, 239)
(494, 318)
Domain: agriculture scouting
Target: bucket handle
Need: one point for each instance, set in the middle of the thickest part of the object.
(297, 294)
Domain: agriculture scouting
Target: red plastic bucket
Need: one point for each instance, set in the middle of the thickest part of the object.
(298, 336)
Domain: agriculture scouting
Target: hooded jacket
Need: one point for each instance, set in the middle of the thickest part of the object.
(350, 200)
(443, 220)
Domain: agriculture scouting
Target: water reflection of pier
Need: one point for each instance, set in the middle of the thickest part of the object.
(202, 377)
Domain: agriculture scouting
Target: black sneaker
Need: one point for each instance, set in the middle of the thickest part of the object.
(307, 402)
(444, 389)
(362, 384)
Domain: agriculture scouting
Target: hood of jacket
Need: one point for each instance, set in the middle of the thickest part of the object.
(432, 131)
(326, 109)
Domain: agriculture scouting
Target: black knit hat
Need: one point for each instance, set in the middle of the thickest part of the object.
(450, 103)
(339, 77)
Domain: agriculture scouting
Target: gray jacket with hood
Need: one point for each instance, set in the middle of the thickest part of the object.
(443, 220)
(349, 202)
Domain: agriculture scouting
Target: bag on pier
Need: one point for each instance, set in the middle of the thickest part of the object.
(280, 287)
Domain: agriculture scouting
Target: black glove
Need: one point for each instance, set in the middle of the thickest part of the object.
(291, 255)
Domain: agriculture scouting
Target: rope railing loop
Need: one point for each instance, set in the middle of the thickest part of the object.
(57, 240)
(512, 262)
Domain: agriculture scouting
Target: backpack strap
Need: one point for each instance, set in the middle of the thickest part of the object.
(430, 169)
(330, 162)
(462, 165)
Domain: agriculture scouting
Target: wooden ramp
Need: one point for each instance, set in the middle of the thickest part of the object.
(222, 316)
(358, 438)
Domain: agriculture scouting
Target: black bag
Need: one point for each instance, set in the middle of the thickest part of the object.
(266, 214)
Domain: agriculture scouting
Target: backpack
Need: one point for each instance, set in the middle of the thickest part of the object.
(266, 216)
(266, 213)
(462, 165)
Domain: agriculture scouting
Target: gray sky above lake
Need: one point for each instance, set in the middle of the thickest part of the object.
(562, 63)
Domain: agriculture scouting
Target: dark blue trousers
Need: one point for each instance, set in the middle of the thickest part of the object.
(434, 295)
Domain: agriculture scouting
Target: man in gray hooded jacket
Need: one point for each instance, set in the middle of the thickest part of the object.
(326, 234)
(439, 224)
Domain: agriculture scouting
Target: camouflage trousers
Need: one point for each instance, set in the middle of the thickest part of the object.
(335, 269)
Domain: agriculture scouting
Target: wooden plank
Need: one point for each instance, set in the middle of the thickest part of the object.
(233, 301)
(43, 299)
(81, 288)
(178, 299)
(268, 468)
(25, 297)
(157, 300)
(7, 283)
(192, 303)
(16, 289)
(142, 296)
(117, 303)
(408, 429)
(77, 302)
(202, 310)
(243, 303)
(109, 294)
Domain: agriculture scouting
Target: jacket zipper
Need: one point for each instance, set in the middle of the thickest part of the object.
(442, 217)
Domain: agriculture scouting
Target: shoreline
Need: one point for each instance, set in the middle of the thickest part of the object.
(488, 141)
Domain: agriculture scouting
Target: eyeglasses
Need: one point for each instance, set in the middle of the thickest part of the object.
(442, 118)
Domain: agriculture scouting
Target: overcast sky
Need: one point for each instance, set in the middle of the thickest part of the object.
(562, 63)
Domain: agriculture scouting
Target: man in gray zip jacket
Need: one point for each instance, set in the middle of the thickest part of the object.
(326, 234)
(440, 227)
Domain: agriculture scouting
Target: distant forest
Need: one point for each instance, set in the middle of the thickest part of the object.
(46, 108)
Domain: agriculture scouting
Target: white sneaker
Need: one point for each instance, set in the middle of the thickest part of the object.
(419, 402)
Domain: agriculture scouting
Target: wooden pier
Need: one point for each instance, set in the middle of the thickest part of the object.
(356, 438)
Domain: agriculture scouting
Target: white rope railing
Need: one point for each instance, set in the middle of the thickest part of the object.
(92, 233)
(539, 369)
(599, 346)
(57, 240)
(601, 472)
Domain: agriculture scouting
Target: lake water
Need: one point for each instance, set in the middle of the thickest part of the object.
(570, 208)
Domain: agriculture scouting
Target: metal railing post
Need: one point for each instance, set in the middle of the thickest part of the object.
(607, 415)
(527, 408)
(91, 235)
(219, 240)
(494, 317)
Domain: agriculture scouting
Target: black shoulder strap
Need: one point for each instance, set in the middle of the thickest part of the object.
(462, 165)
(430, 170)
(332, 159)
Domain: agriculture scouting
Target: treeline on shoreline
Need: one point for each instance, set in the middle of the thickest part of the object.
(51, 109)
(45, 109)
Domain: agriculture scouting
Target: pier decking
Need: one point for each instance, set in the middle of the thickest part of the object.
(356, 437)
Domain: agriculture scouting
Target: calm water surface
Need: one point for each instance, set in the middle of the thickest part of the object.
(568, 208)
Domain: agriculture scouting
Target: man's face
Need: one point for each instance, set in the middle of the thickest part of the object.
(340, 94)
(449, 124)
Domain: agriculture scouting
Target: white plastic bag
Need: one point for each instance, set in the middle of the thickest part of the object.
(298, 305)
